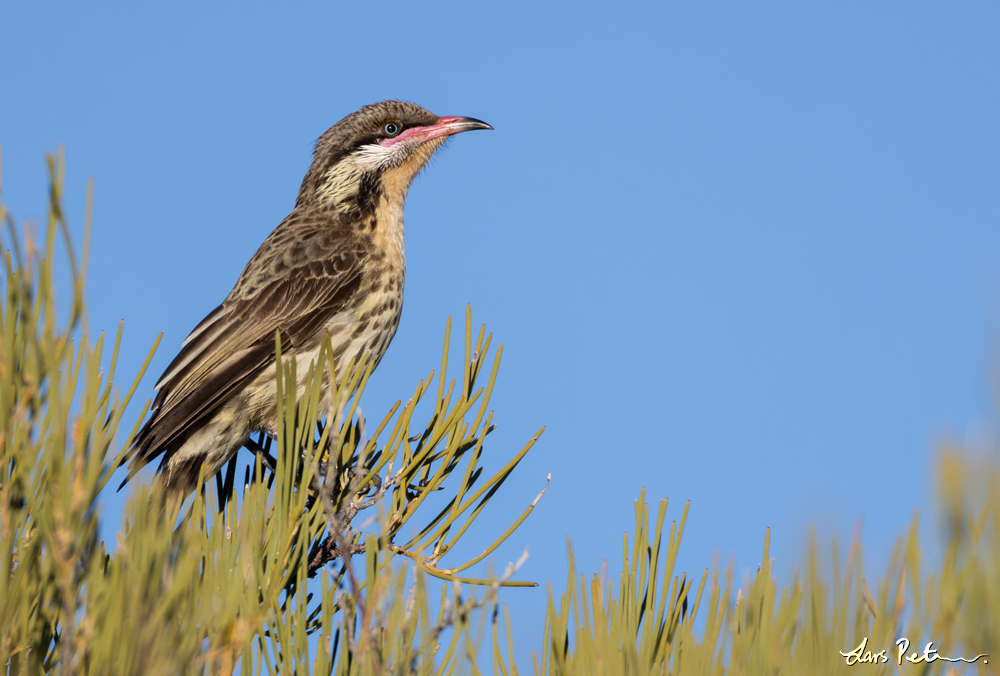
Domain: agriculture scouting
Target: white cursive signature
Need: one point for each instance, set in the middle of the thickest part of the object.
(861, 655)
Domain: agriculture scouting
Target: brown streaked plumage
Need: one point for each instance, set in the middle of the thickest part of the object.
(335, 264)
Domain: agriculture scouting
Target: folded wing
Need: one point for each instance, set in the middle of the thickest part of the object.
(304, 274)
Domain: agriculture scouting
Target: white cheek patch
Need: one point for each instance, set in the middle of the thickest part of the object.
(373, 157)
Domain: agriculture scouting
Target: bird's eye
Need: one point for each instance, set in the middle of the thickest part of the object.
(391, 128)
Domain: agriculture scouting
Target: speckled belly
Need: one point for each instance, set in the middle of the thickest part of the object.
(366, 327)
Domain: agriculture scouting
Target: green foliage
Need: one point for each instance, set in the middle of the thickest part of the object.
(659, 622)
(228, 586)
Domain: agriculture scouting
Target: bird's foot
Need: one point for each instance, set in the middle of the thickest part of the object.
(266, 459)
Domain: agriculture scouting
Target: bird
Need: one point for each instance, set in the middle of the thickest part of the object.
(335, 265)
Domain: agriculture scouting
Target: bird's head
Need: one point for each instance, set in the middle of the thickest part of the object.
(374, 152)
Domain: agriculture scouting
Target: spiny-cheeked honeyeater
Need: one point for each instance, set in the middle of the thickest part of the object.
(334, 265)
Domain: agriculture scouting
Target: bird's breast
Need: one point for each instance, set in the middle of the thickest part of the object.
(387, 230)
(370, 322)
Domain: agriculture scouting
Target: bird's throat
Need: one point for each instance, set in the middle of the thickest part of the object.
(356, 184)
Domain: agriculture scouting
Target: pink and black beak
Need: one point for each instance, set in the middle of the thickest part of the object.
(445, 126)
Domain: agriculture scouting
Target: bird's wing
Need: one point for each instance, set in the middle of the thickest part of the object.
(304, 273)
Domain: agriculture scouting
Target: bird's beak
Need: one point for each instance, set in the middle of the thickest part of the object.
(446, 126)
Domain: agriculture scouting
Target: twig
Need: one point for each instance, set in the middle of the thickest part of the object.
(339, 523)
(452, 615)
(328, 551)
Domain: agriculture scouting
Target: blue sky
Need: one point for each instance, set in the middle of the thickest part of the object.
(737, 254)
